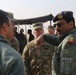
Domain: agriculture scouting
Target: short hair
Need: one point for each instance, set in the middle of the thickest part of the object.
(51, 27)
(29, 31)
(3, 19)
(21, 31)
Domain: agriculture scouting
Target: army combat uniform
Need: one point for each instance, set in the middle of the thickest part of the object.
(38, 59)
(15, 43)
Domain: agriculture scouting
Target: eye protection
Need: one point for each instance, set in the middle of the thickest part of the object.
(59, 25)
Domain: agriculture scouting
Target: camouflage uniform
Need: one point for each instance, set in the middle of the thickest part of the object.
(38, 59)
(15, 43)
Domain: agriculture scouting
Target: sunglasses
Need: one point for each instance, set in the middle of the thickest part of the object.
(59, 25)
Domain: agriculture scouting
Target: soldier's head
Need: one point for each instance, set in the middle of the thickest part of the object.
(10, 15)
(13, 20)
(38, 29)
(6, 28)
(64, 21)
(21, 31)
(29, 31)
(51, 29)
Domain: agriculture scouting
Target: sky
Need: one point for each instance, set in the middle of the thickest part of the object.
(25, 9)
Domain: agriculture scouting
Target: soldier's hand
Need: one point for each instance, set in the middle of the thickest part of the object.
(39, 40)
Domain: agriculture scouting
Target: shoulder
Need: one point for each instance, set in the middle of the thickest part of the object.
(70, 39)
(31, 43)
(14, 40)
(45, 44)
(68, 47)
(9, 54)
(68, 42)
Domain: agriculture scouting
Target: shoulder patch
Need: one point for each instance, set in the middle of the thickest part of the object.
(70, 40)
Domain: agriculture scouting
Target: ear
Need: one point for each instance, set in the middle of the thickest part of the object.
(5, 26)
(71, 24)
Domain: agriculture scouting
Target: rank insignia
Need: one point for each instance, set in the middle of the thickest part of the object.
(60, 16)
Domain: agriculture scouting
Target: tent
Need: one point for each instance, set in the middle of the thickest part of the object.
(34, 20)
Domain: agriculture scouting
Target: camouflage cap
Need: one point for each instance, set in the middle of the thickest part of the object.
(66, 15)
(9, 14)
(38, 25)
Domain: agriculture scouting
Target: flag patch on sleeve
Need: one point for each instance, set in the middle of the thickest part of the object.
(70, 40)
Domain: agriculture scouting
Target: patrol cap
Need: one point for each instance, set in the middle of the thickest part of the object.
(66, 15)
(9, 14)
(38, 25)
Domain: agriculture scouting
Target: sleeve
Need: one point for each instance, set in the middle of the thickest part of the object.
(51, 39)
(26, 59)
(16, 68)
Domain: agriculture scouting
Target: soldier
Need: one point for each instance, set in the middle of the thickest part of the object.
(64, 59)
(31, 36)
(11, 62)
(22, 41)
(51, 29)
(38, 59)
(14, 42)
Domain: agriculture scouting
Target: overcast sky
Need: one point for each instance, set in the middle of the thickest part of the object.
(35, 8)
(24, 9)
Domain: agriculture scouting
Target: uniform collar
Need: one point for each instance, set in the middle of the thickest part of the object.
(3, 39)
(67, 33)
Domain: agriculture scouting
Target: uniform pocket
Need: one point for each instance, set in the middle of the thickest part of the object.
(65, 66)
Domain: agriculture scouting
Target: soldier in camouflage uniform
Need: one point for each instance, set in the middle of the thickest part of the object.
(38, 59)
(64, 59)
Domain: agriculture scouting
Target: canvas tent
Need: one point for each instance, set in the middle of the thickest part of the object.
(34, 20)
